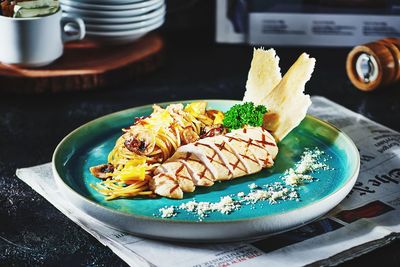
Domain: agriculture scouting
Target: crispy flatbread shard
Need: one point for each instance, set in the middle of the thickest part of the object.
(224, 157)
(263, 76)
(287, 99)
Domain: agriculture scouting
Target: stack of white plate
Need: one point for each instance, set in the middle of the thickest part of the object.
(117, 21)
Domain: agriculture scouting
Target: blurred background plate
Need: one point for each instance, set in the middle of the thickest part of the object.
(124, 26)
(127, 33)
(115, 40)
(108, 2)
(150, 15)
(81, 4)
(120, 37)
(111, 13)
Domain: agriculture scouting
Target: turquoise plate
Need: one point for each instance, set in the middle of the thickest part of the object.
(90, 144)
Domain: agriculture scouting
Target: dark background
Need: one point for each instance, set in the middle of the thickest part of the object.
(33, 232)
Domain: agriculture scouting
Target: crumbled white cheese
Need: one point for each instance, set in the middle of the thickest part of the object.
(294, 178)
(273, 193)
(225, 206)
(293, 195)
(253, 186)
(167, 212)
(309, 161)
(189, 206)
(257, 195)
(277, 195)
(202, 208)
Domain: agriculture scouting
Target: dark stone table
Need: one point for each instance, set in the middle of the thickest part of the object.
(33, 232)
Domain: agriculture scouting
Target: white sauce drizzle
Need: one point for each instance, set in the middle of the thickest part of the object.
(191, 148)
(241, 159)
(244, 138)
(163, 169)
(193, 175)
(222, 157)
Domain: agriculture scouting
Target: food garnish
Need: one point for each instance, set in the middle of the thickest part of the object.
(244, 114)
(264, 75)
(287, 104)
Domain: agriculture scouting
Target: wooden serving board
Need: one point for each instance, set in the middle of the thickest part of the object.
(85, 65)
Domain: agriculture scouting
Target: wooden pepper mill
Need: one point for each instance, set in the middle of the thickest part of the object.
(375, 64)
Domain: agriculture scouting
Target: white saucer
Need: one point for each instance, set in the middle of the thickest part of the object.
(107, 2)
(108, 7)
(151, 15)
(124, 26)
(111, 13)
(125, 33)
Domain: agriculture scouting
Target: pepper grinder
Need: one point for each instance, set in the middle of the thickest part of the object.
(375, 64)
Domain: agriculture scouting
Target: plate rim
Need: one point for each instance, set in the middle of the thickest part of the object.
(60, 181)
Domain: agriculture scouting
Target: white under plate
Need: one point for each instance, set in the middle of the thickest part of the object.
(123, 27)
(122, 20)
(119, 40)
(107, 2)
(110, 13)
(110, 5)
(121, 37)
(127, 32)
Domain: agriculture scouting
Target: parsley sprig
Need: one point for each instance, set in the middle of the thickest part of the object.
(244, 114)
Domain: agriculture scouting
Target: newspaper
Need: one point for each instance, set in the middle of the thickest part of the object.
(369, 217)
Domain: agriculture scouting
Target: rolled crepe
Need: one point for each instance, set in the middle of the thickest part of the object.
(238, 153)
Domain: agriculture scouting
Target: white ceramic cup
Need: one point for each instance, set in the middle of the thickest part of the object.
(35, 42)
